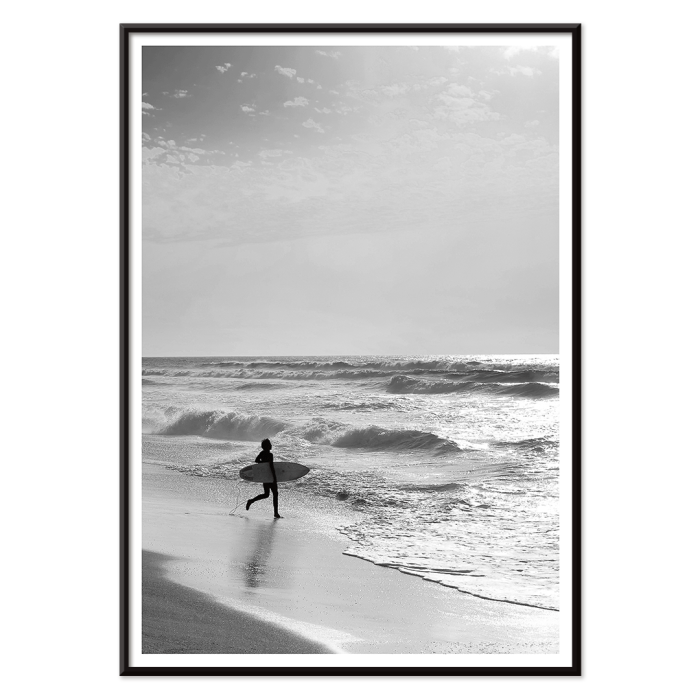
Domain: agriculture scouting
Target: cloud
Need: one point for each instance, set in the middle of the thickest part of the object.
(224, 68)
(179, 94)
(325, 110)
(534, 122)
(289, 72)
(297, 102)
(146, 109)
(512, 51)
(460, 90)
(148, 154)
(311, 124)
(243, 74)
(394, 90)
(145, 136)
(517, 70)
(300, 80)
(247, 109)
(458, 104)
(273, 153)
(463, 177)
(173, 154)
(331, 54)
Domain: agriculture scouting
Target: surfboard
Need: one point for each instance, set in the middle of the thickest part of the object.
(285, 471)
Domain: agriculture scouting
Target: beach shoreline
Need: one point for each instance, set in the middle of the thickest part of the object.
(182, 620)
(288, 588)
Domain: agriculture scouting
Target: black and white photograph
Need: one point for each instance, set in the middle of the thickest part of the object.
(351, 350)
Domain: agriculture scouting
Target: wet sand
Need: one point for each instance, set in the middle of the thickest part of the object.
(229, 584)
(181, 620)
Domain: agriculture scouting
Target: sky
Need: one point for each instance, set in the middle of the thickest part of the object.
(350, 200)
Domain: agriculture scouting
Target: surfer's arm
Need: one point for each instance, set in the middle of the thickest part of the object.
(272, 469)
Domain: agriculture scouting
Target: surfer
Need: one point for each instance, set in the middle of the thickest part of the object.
(266, 456)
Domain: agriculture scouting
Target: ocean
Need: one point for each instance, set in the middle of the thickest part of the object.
(443, 467)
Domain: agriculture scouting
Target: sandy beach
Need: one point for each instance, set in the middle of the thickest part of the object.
(246, 583)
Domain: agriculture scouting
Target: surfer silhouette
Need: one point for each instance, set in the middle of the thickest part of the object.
(266, 456)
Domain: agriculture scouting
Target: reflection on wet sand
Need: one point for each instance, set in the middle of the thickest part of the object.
(256, 569)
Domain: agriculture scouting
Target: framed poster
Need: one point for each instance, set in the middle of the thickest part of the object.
(350, 349)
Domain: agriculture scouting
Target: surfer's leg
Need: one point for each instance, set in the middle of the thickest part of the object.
(257, 498)
(274, 500)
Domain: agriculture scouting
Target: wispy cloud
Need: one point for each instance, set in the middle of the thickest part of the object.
(289, 72)
(311, 124)
(297, 102)
(458, 104)
(549, 51)
(224, 68)
(394, 90)
(247, 109)
(273, 153)
(517, 70)
(146, 108)
(331, 54)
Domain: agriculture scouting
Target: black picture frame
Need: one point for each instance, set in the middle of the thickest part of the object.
(125, 667)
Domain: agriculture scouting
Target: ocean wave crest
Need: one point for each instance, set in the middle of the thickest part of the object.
(464, 370)
(323, 431)
(375, 438)
(402, 384)
(223, 425)
(536, 444)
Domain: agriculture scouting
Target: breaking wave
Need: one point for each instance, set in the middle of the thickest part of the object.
(376, 438)
(402, 384)
(223, 425)
(536, 444)
(372, 437)
(288, 369)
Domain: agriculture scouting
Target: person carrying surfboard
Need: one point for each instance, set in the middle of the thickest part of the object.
(266, 456)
